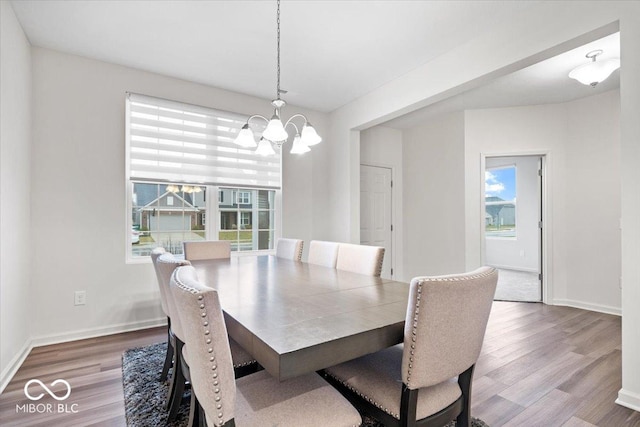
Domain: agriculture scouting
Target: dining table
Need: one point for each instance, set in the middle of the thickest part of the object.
(295, 318)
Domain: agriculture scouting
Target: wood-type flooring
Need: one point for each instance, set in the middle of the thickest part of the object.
(540, 366)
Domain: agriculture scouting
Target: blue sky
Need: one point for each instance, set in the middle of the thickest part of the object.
(500, 183)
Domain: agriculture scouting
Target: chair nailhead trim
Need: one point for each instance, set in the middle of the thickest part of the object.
(414, 332)
(365, 397)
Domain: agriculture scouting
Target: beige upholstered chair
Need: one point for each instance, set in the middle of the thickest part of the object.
(360, 259)
(289, 248)
(206, 249)
(242, 360)
(255, 400)
(155, 253)
(444, 329)
(323, 253)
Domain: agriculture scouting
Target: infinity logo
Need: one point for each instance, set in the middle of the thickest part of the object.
(52, 394)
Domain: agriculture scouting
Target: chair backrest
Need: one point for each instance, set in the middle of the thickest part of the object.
(155, 253)
(360, 259)
(210, 363)
(445, 325)
(206, 249)
(323, 253)
(289, 248)
(165, 264)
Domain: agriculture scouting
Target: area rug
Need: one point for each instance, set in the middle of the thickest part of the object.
(144, 394)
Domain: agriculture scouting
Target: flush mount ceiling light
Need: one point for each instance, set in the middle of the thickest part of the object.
(594, 72)
(275, 132)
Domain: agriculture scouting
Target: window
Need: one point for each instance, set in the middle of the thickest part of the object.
(237, 221)
(500, 202)
(176, 153)
(244, 197)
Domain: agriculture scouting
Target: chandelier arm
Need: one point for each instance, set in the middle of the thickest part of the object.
(289, 122)
(258, 116)
(293, 117)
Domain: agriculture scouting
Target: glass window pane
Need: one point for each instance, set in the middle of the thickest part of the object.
(166, 215)
(239, 209)
(500, 202)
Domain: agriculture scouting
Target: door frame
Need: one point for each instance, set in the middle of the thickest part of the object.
(394, 232)
(547, 226)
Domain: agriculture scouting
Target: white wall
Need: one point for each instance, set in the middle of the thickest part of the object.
(582, 145)
(433, 169)
(382, 146)
(629, 395)
(593, 201)
(78, 192)
(521, 252)
(16, 256)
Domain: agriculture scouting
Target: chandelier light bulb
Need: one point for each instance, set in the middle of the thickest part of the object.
(245, 137)
(298, 146)
(309, 135)
(265, 148)
(275, 130)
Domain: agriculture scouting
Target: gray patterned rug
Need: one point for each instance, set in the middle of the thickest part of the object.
(144, 394)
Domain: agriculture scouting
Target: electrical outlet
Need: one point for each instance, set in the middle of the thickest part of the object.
(80, 297)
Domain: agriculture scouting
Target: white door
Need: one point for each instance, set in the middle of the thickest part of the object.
(375, 211)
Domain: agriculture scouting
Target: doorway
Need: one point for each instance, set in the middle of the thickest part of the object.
(375, 211)
(513, 225)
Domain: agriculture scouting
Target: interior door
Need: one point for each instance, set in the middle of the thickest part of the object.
(375, 211)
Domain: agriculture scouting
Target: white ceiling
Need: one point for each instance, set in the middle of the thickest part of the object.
(332, 51)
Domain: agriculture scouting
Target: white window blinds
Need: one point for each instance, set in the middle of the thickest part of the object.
(175, 142)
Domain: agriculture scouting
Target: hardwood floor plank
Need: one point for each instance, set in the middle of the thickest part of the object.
(554, 409)
(577, 422)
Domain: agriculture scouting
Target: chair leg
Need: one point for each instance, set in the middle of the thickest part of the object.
(168, 360)
(194, 411)
(176, 385)
(464, 381)
(178, 392)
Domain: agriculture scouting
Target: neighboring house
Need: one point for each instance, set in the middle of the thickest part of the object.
(169, 211)
(499, 212)
(236, 206)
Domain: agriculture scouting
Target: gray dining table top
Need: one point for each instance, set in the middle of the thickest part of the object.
(296, 318)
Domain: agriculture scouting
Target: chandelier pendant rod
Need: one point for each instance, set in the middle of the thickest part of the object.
(278, 52)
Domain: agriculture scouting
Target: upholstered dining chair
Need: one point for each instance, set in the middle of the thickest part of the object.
(426, 381)
(254, 400)
(243, 362)
(168, 359)
(206, 249)
(361, 259)
(289, 248)
(323, 253)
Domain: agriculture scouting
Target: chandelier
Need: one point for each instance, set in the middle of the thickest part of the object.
(275, 133)
(594, 72)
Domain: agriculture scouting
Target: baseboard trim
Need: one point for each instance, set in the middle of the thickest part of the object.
(510, 267)
(9, 372)
(600, 308)
(97, 332)
(628, 399)
(18, 360)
